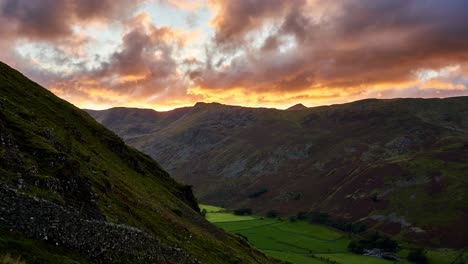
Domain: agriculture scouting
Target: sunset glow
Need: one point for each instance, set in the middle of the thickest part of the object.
(164, 54)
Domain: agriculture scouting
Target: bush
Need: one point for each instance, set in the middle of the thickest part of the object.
(297, 196)
(319, 217)
(417, 256)
(302, 216)
(258, 193)
(386, 244)
(177, 212)
(345, 225)
(203, 212)
(243, 211)
(375, 241)
(356, 247)
(272, 214)
(242, 236)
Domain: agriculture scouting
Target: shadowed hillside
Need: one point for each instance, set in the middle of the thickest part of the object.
(71, 191)
(400, 165)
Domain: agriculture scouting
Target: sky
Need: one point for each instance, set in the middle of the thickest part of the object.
(164, 54)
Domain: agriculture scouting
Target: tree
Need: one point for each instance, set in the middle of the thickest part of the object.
(203, 212)
(243, 211)
(272, 214)
(417, 256)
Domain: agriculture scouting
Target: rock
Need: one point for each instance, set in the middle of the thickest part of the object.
(101, 241)
(378, 253)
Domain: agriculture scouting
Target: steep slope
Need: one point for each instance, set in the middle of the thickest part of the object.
(71, 191)
(399, 165)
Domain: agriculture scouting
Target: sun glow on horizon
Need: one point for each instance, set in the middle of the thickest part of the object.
(174, 53)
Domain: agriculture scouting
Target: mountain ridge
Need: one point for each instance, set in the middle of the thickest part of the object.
(316, 159)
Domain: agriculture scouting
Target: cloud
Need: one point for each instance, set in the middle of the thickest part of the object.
(349, 45)
(53, 19)
(235, 18)
(184, 4)
(255, 52)
(144, 69)
(53, 31)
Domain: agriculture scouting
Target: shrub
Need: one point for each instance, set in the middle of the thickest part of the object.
(318, 217)
(203, 212)
(242, 236)
(345, 225)
(356, 247)
(386, 244)
(375, 241)
(243, 211)
(417, 256)
(302, 215)
(258, 193)
(177, 212)
(272, 214)
(297, 196)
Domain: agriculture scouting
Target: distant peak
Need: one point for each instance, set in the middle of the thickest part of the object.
(202, 104)
(297, 107)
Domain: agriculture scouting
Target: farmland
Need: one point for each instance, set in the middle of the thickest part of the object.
(300, 242)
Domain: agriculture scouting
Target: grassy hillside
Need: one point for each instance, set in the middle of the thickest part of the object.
(398, 165)
(72, 190)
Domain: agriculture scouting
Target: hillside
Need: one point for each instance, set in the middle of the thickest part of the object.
(71, 191)
(398, 165)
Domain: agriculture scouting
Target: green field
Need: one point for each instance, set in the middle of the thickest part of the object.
(300, 242)
(211, 208)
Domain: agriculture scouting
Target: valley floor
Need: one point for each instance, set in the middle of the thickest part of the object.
(299, 242)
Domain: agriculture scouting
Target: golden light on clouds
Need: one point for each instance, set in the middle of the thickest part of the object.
(171, 53)
(132, 78)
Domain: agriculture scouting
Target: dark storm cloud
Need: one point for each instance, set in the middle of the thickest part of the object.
(238, 17)
(51, 19)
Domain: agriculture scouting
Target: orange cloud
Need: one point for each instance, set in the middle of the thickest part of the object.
(263, 53)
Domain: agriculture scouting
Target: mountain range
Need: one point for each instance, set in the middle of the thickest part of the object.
(398, 165)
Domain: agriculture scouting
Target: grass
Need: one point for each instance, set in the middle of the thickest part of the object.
(227, 217)
(16, 249)
(211, 208)
(234, 226)
(355, 259)
(446, 256)
(299, 242)
(292, 257)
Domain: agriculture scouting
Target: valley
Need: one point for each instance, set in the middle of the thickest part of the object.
(399, 166)
(233, 132)
(300, 242)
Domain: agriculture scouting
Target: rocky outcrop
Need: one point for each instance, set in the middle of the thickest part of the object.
(100, 241)
(77, 191)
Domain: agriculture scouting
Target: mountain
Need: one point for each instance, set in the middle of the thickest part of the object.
(71, 191)
(297, 107)
(398, 165)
